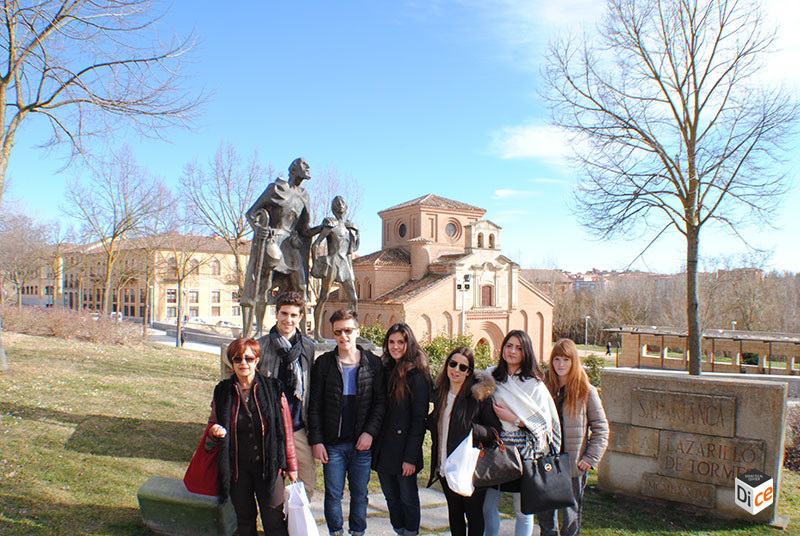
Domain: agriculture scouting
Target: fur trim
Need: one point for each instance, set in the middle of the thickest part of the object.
(484, 385)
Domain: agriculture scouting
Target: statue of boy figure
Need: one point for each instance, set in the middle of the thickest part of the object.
(342, 239)
(279, 252)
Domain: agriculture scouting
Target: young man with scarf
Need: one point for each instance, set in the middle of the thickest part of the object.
(287, 354)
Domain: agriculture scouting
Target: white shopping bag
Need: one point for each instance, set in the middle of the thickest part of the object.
(298, 512)
(459, 468)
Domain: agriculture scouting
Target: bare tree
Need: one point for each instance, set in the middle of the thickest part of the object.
(21, 247)
(152, 237)
(87, 68)
(184, 259)
(668, 127)
(58, 240)
(221, 194)
(119, 198)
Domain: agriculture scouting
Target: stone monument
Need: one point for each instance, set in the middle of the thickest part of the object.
(686, 439)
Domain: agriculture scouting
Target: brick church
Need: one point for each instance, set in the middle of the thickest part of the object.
(440, 270)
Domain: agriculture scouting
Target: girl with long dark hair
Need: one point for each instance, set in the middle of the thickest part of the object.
(397, 452)
(528, 416)
(462, 403)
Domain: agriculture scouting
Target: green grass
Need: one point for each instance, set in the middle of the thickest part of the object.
(82, 426)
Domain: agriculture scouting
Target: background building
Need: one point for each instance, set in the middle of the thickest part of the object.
(441, 271)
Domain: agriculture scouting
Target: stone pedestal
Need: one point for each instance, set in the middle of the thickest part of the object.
(168, 508)
(686, 438)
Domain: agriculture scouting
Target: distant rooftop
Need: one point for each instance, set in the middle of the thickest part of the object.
(763, 336)
(432, 200)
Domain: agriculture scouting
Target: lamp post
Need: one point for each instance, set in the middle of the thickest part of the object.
(462, 287)
(586, 335)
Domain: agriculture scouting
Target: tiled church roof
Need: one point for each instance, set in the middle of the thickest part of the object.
(385, 257)
(432, 200)
(410, 289)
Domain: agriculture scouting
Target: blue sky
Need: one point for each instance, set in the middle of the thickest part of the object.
(408, 98)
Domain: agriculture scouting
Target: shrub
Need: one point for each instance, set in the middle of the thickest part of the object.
(374, 333)
(593, 365)
(749, 358)
(441, 345)
(66, 323)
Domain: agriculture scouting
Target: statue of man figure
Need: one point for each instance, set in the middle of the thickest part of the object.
(279, 252)
(342, 239)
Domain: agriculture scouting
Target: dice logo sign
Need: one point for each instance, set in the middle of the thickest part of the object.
(754, 491)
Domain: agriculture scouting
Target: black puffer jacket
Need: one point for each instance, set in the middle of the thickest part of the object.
(325, 403)
(472, 411)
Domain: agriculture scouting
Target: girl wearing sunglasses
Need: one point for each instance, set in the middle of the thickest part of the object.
(252, 426)
(462, 403)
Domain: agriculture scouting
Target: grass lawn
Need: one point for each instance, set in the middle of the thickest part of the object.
(82, 426)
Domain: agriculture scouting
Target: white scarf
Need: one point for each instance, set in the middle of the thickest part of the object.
(531, 402)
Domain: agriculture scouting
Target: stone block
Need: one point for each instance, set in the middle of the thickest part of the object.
(711, 428)
(169, 508)
(675, 489)
(716, 460)
(687, 412)
(634, 440)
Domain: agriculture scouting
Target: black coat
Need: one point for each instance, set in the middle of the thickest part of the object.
(327, 388)
(224, 410)
(403, 429)
(472, 411)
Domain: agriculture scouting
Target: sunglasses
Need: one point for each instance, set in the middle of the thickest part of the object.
(238, 359)
(461, 367)
(346, 331)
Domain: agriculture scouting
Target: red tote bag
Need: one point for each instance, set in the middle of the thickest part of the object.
(202, 475)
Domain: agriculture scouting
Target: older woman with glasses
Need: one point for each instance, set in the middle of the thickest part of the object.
(252, 426)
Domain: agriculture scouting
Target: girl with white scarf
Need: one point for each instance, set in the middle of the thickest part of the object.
(529, 417)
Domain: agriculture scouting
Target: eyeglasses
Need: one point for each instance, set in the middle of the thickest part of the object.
(346, 331)
(238, 359)
(461, 366)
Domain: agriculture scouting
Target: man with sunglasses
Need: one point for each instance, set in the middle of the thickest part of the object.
(345, 413)
(287, 354)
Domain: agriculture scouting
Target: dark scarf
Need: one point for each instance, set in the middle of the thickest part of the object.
(290, 370)
(268, 400)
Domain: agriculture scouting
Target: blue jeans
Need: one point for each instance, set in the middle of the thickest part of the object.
(548, 521)
(345, 461)
(491, 515)
(402, 498)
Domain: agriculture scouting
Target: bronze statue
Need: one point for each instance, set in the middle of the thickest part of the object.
(336, 266)
(279, 253)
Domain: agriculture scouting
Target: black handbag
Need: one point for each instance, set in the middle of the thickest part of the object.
(546, 483)
(497, 465)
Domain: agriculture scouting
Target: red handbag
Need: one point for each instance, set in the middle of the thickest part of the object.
(202, 475)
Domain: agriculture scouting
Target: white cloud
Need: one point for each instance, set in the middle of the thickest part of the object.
(512, 194)
(532, 141)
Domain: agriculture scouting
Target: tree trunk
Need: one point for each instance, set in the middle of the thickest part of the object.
(178, 325)
(692, 308)
(3, 359)
(146, 316)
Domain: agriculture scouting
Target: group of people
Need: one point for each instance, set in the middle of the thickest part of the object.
(356, 412)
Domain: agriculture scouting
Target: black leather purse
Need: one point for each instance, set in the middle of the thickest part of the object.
(497, 465)
(546, 483)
